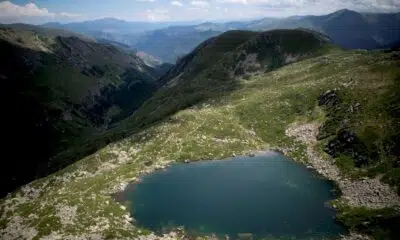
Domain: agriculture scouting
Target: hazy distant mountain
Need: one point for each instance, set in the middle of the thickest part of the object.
(166, 41)
(112, 26)
(118, 44)
(349, 29)
(171, 43)
(168, 44)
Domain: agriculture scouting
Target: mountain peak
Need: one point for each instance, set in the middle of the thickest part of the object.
(344, 11)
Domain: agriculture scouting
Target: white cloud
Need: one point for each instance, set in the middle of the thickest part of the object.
(8, 9)
(198, 3)
(176, 3)
(10, 12)
(155, 15)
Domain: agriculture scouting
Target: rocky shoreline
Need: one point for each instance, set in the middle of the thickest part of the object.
(368, 192)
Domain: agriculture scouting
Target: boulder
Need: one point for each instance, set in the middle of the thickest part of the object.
(328, 98)
(348, 144)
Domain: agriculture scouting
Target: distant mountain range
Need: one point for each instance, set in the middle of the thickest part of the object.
(348, 29)
(67, 80)
(112, 25)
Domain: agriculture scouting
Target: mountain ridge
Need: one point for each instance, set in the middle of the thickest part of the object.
(63, 88)
(218, 63)
(236, 94)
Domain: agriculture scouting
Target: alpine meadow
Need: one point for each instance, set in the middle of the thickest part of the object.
(187, 120)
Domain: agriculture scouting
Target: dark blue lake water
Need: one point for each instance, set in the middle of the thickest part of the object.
(267, 196)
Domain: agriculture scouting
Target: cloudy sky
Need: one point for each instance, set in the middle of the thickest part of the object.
(40, 11)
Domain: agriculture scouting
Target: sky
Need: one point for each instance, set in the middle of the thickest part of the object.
(41, 11)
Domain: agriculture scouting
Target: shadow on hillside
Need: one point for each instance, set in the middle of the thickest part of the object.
(39, 142)
(157, 110)
(28, 131)
(207, 78)
(39, 138)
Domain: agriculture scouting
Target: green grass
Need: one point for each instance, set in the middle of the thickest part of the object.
(191, 122)
(375, 122)
(380, 224)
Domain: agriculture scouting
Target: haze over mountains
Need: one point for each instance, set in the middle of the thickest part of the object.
(348, 29)
(63, 87)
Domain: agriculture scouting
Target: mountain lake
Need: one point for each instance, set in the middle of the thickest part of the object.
(267, 196)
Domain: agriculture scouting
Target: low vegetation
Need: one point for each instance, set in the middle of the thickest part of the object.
(215, 118)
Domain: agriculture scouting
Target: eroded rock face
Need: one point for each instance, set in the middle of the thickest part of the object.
(344, 142)
(347, 143)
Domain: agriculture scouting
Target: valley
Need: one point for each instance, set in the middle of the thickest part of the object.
(239, 93)
(153, 120)
(60, 90)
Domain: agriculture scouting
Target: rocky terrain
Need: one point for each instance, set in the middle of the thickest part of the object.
(215, 118)
(366, 192)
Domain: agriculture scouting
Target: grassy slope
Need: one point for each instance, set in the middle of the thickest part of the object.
(210, 71)
(266, 104)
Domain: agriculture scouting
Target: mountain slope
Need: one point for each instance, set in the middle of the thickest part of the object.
(349, 29)
(216, 66)
(170, 43)
(216, 116)
(59, 90)
(107, 25)
(240, 52)
(48, 32)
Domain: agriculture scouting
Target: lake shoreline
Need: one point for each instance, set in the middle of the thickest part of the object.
(368, 193)
(125, 197)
